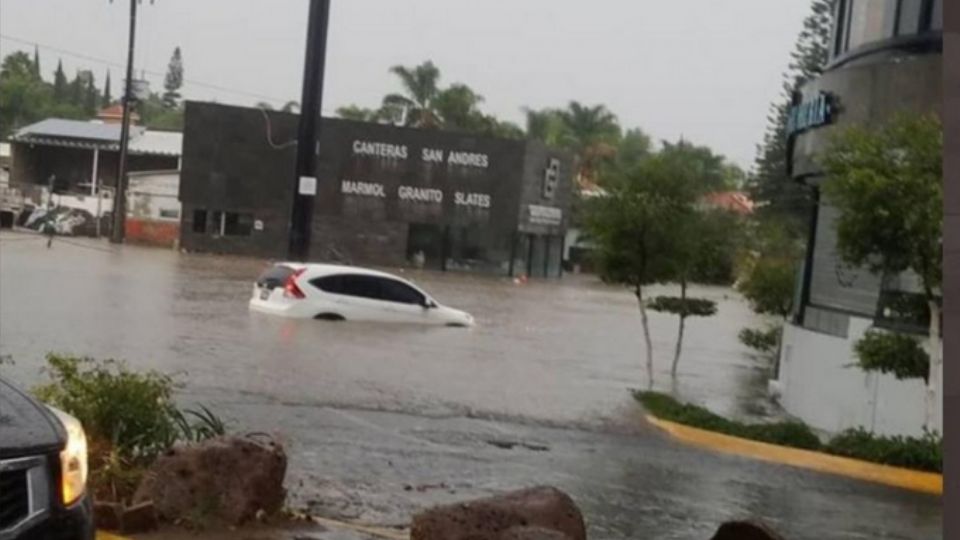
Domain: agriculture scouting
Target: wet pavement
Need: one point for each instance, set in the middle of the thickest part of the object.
(382, 420)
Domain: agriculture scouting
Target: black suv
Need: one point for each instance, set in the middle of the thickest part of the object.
(43, 471)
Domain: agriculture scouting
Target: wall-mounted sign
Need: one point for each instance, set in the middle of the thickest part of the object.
(478, 200)
(544, 215)
(368, 189)
(380, 149)
(551, 177)
(455, 157)
(307, 186)
(419, 194)
(258, 225)
(810, 114)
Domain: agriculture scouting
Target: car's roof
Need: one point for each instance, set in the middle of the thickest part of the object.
(322, 269)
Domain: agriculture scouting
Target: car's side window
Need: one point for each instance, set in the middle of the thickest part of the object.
(395, 291)
(330, 284)
(360, 286)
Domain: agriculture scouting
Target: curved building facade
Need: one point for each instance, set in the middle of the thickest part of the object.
(885, 59)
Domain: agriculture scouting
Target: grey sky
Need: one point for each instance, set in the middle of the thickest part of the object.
(704, 69)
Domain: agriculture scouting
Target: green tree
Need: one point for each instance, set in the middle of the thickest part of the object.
(633, 229)
(593, 135)
(420, 85)
(36, 62)
(887, 184)
(634, 147)
(547, 125)
(60, 84)
(23, 95)
(457, 107)
(107, 99)
(355, 112)
(770, 186)
(173, 80)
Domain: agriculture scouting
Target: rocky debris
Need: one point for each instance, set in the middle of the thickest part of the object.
(745, 530)
(489, 518)
(532, 533)
(226, 479)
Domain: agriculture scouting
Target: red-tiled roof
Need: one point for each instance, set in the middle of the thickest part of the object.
(734, 201)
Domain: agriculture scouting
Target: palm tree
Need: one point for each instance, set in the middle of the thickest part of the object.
(457, 108)
(546, 125)
(594, 133)
(421, 90)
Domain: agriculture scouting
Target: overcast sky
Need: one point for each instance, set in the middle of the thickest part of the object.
(703, 69)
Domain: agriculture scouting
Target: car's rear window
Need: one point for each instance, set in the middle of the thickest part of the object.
(275, 276)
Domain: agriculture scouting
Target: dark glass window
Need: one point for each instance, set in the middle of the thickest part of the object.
(275, 276)
(868, 22)
(330, 284)
(395, 291)
(936, 18)
(237, 224)
(908, 22)
(360, 286)
(199, 221)
(216, 221)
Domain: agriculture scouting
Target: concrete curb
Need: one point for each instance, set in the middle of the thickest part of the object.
(925, 482)
(376, 532)
(103, 535)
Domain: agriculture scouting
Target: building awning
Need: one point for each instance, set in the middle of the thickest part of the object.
(94, 135)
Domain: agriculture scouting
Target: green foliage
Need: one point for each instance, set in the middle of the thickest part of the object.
(684, 307)
(887, 184)
(922, 453)
(770, 285)
(887, 352)
(155, 114)
(764, 341)
(129, 411)
(770, 186)
(129, 417)
(173, 80)
(791, 433)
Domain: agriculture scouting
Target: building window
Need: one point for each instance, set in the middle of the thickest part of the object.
(862, 22)
(200, 221)
(169, 213)
(237, 224)
(936, 18)
(908, 21)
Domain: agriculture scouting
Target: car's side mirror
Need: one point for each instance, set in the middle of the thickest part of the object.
(429, 304)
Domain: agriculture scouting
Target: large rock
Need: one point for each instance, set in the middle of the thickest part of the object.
(745, 530)
(227, 479)
(491, 518)
(532, 533)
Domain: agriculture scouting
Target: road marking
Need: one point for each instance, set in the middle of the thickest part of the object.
(103, 535)
(379, 532)
(925, 482)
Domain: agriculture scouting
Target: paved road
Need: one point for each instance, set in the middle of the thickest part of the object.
(383, 420)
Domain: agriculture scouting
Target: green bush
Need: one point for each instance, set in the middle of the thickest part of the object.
(790, 433)
(129, 417)
(764, 341)
(697, 307)
(127, 411)
(899, 354)
(923, 453)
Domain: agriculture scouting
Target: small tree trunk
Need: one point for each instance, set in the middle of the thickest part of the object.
(646, 336)
(683, 318)
(936, 364)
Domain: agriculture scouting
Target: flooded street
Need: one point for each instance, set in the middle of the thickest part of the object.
(381, 420)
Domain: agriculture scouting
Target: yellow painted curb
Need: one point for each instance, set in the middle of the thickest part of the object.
(102, 535)
(379, 532)
(925, 482)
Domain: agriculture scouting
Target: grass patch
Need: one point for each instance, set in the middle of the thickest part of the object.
(923, 453)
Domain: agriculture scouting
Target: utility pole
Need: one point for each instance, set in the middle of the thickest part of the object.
(120, 194)
(308, 135)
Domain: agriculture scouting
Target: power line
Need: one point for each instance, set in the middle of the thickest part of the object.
(112, 63)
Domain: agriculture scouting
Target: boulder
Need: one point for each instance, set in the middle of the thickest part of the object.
(138, 518)
(490, 518)
(226, 479)
(745, 530)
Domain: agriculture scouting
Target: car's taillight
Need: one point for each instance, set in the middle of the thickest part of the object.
(290, 288)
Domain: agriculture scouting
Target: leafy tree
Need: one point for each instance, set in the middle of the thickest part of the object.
(36, 62)
(889, 352)
(420, 84)
(155, 114)
(107, 99)
(173, 80)
(593, 133)
(60, 84)
(547, 125)
(775, 192)
(354, 112)
(634, 147)
(22, 94)
(457, 108)
(887, 184)
(633, 228)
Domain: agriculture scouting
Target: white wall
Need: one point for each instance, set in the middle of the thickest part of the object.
(819, 386)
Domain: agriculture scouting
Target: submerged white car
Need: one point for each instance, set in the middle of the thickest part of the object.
(333, 292)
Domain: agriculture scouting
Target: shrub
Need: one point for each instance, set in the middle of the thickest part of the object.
(924, 453)
(887, 352)
(129, 417)
(764, 341)
(790, 433)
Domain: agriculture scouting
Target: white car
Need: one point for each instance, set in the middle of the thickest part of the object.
(332, 292)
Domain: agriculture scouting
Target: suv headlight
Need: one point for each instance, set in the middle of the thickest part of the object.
(73, 458)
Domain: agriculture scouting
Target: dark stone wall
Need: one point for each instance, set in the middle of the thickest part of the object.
(232, 163)
(228, 164)
(532, 193)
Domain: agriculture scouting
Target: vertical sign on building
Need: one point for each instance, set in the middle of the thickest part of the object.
(551, 178)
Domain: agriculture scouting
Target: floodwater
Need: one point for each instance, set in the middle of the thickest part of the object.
(381, 420)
